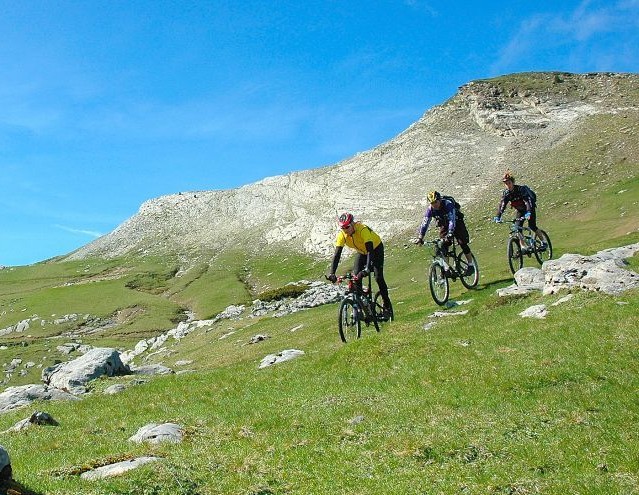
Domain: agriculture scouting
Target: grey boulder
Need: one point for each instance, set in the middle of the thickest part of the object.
(73, 376)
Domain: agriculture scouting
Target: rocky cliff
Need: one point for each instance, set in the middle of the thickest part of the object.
(461, 147)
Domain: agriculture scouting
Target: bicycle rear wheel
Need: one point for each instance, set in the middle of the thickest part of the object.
(515, 256)
(379, 309)
(543, 246)
(472, 279)
(349, 322)
(438, 282)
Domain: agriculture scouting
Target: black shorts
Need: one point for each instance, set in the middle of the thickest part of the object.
(460, 233)
(532, 223)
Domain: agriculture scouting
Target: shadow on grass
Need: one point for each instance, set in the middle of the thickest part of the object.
(495, 284)
(12, 487)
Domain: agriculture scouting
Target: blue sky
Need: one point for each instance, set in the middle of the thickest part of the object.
(105, 104)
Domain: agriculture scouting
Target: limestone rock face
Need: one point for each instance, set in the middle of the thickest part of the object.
(459, 146)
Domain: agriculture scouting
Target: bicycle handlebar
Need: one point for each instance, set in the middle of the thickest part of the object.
(349, 276)
(518, 219)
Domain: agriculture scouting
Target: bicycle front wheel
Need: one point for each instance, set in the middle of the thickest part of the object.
(543, 246)
(349, 322)
(438, 282)
(515, 256)
(468, 272)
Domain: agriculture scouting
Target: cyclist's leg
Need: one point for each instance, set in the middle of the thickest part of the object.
(378, 270)
(358, 265)
(443, 230)
(532, 222)
(520, 224)
(463, 238)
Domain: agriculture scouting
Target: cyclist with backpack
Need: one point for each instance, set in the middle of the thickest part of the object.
(450, 220)
(523, 199)
(369, 255)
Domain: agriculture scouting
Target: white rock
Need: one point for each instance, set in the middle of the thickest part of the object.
(286, 355)
(443, 314)
(537, 311)
(117, 469)
(157, 433)
(562, 300)
(15, 397)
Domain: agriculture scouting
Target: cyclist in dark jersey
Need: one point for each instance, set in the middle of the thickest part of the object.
(520, 198)
(450, 222)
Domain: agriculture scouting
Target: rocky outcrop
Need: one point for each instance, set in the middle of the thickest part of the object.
(605, 272)
(39, 418)
(317, 294)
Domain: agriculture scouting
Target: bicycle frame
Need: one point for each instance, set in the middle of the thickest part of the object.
(441, 270)
(521, 231)
(439, 256)
(356, 307)
(522, 241)
(360, 294)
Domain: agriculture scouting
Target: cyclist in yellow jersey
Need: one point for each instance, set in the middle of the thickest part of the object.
(369, 256)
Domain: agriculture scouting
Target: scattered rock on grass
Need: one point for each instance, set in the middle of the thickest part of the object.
(151, 369)
(286, 355)
(37, 418)
(537, 311)
(258, 338)
(442, 314)
(73, 376)
(15, 397)
(117, 468)
(157, 433)
(114, 389)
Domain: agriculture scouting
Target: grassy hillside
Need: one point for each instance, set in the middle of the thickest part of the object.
(482, 403)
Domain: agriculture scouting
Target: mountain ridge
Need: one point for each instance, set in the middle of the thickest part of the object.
(468, 140)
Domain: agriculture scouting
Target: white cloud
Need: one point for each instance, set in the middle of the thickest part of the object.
(591, 37)
(90, 233)
(422, 6)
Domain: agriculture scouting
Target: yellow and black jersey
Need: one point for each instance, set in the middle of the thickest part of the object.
(358, 240)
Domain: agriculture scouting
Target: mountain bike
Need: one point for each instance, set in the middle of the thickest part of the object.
(440, 271)
(357, 306)
(536, 243)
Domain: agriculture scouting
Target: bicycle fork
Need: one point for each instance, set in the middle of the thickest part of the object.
(445, 265)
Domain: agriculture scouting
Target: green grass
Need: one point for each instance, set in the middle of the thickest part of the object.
(494, 404)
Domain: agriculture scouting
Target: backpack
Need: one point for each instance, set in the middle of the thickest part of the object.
(457, 205)
(528, 192)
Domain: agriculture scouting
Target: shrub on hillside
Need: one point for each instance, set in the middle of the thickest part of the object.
(152, 282)
(291, 290)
